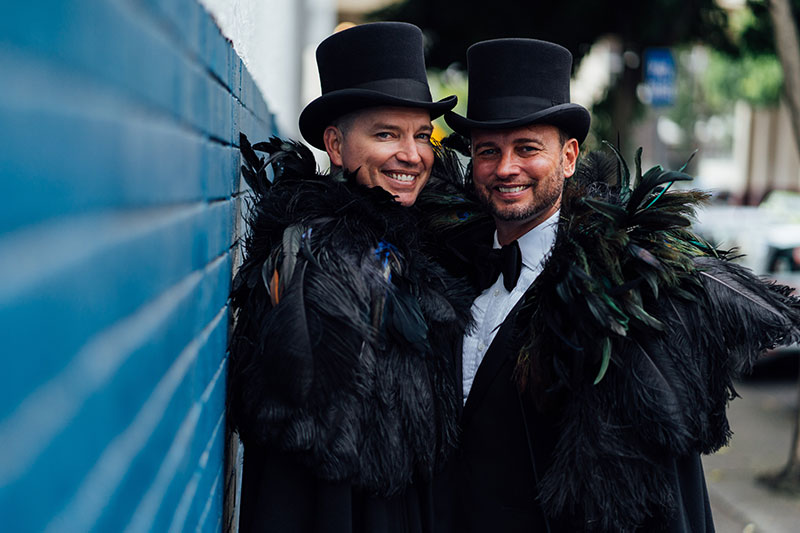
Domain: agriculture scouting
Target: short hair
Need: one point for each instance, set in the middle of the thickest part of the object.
(345, 122)
(563, 136)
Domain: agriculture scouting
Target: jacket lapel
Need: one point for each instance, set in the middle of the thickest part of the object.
(458, 365)
(498, 354)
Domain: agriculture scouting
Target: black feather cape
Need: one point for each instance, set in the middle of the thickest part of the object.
(633, 333)
(341, 351)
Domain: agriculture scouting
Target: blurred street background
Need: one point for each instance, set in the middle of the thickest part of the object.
(762, 421)
(121, 225)
(716, 79)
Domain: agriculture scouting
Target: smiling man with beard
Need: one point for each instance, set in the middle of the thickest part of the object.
(519, 175)
(607, 334)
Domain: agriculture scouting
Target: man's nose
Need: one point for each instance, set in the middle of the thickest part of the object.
(409, 151)
(507, 166)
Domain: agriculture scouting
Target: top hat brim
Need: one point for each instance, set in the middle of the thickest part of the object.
(574, 119)
(320, 113)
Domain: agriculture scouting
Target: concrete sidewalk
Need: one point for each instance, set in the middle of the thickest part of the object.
(762, 421)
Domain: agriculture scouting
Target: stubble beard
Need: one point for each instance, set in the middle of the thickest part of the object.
(542, 200)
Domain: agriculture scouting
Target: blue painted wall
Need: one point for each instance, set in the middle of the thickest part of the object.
(118, 179)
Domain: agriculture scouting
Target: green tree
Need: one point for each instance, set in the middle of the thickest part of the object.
(753, 72)
(784, 17)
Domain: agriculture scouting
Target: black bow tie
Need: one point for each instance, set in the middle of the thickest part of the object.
(506, 260)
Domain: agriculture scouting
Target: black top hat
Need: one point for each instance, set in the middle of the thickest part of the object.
(516, 82)
(378, 64)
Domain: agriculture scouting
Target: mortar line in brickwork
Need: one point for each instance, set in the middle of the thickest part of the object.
(218, 140)
(72, 239)
(145, 513)
(168, 29)
(255, 117)
(209, 501)
(187, 498)
(80, 95)
(50, 407)
(48, 410)
(214, 201)
(102, 481)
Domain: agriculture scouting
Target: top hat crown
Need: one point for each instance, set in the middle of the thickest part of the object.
(378, 64)
(516, 82)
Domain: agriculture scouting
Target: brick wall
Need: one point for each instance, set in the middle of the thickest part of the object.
(118, 179)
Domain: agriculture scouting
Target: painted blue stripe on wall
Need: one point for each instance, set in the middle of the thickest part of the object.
(139, 351)
(181, 516)
(101, 268)
(113, 43)
(146, 467)
(196, 31)
(91, 149)
(158, 505)
(120, 172)
(211, 488)
(126, 468)
(213, 507)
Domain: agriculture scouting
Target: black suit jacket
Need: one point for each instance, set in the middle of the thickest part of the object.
(506, 446)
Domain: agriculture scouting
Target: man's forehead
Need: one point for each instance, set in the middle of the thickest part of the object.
(390, 116)
(526, 133)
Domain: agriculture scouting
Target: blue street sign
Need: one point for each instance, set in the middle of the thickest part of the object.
(659, 76)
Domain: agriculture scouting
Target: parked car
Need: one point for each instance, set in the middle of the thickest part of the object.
(767, 236)
(783, 239)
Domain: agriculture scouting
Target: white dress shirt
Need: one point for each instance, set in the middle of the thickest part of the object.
(491, 308)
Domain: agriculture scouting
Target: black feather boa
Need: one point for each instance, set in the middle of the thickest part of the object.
(635, 330)
(344, 329)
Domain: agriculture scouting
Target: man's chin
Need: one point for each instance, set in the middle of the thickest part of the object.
(405, 198)
(406, 201)
(517, 214)
(404, 195)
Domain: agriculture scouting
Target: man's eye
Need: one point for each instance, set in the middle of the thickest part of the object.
(424, 136)
(527, 148)
(383, 134)
(486, 152)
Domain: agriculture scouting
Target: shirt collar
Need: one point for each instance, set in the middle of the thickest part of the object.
(535, 244)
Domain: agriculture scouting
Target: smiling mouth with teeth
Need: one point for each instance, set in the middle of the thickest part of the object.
(518, 188)
(401, 177)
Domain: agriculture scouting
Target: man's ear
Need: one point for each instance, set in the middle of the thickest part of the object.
(570, 155)
(333, 138)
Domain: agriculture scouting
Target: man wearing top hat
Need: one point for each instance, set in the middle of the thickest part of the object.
(341, 383)
(606, 335)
